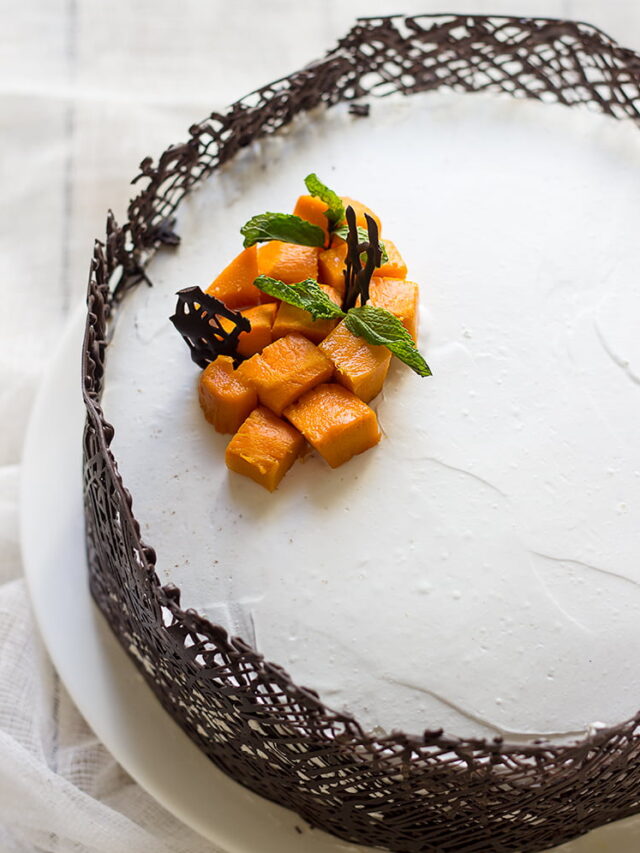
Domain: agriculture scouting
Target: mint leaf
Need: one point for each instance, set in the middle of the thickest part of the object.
(281, 226)
(305, 294)
(335, 207)
(363, 237)
(379, 326)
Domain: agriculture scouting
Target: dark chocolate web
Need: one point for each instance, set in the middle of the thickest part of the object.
(197, 318)
(409, 793)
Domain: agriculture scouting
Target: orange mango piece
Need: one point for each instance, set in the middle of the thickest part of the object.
(398, 296)
(264, 448)
(395, 267)
(225, 398)
(331, 265)
(290, 319)
(286, 369)
(312, 209)
(360, 366)
(360, 210)
(261, 318)
(234, 286)
(288, 262)
(335, 422)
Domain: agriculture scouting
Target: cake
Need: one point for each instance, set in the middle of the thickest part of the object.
(464, 595)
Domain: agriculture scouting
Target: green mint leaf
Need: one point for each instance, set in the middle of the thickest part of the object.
(379, 326)
(281, 226)
(305, 294)
(335, 207)
(363, 237)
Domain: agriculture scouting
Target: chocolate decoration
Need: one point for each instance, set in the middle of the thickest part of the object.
(197, 319)
(359, 110)
(409, 793)
(356, 276)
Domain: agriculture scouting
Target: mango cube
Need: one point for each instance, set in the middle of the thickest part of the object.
(225, 398)
(286, 369)
(331, 265)
(312, 209)
(234, 286)
(335, 422)
(399, 297)
(288, 262)
(264, 448)
(360, 366)
(395, 267)
(290, 319)
(259, 336)
(360, 210)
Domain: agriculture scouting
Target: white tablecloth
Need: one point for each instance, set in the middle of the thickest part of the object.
(87, 88)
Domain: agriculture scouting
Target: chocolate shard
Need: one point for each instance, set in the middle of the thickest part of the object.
(359, 110)
(197, 318)
(166, 233)
(358, 275)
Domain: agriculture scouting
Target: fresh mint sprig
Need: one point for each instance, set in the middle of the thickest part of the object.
(335, 206)
(306, 294)
(381, 327)
(376, 325)
(281, 226)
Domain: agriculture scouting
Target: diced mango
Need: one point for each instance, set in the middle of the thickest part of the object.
(261, 318)
(225, 398)
(360, 366)
(331, 265)
(398, 296)
(288, 262)
(312, 209)
(335, 422)
(286, 369)
(234, 286)
(395, 267)
(290, 319)
(264, 448)
(360, 210)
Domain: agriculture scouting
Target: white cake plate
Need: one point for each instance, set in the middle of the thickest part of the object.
(103, 682)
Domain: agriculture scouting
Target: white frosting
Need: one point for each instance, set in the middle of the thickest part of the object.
(479, 569)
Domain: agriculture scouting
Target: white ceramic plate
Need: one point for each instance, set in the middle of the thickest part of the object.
(101, 679)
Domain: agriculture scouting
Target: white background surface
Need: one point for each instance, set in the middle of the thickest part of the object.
(87, 88)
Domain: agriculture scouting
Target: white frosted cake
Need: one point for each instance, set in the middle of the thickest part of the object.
(479, 569)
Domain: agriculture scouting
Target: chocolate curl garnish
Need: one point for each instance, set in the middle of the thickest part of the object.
(358, 277)
(197, 318)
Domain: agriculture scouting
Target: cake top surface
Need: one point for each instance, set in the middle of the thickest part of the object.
(479, 569)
